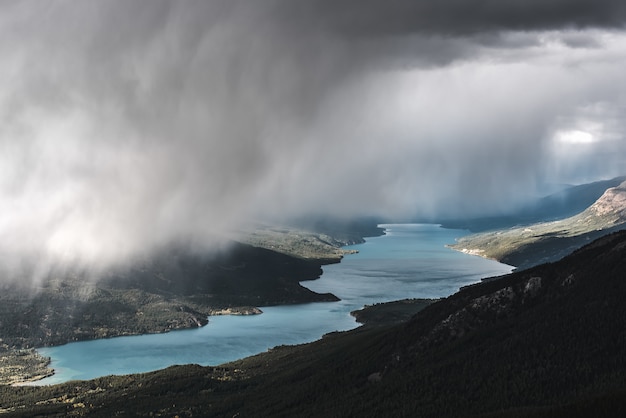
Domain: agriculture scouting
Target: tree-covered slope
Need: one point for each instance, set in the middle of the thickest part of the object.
(541, 342)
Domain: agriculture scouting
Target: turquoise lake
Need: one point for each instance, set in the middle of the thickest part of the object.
(410, 261)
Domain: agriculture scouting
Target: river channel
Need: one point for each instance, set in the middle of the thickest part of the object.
(409, 261)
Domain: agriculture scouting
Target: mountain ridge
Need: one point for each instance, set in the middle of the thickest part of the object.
(529, 245)
(558, 205)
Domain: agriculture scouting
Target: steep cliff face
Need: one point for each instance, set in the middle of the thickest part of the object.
(611, 206)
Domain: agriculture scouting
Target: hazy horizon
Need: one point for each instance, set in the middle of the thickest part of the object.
(130, 125)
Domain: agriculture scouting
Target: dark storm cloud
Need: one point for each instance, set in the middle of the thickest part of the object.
(373, 18)
(127, 125)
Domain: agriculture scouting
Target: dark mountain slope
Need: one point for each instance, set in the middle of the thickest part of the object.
(173, 290)
(572, 200)
(240, 275)
(545, 341)
(176, 287)
(549, 335)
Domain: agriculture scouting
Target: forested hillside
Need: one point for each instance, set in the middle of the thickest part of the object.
(548, 341)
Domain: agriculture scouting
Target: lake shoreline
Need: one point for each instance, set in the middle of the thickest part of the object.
(396, 231)
(113, 307)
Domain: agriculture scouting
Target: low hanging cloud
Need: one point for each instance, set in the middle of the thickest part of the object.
(129, 125)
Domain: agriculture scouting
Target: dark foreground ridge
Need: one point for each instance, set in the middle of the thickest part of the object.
(548, 341)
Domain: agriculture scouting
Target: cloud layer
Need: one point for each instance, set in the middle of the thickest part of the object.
(127, 125)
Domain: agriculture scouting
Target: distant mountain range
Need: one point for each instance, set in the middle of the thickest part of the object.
(531, 244)
(544, 342)
(562, 204)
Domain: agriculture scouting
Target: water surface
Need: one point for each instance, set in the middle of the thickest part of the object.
(410, 261)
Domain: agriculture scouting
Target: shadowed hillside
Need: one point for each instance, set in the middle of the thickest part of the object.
(171, 291)
(174, 289)
(548, 341)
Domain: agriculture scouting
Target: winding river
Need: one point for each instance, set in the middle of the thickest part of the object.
(410, 261)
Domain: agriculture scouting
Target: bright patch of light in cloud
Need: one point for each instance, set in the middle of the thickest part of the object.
(574, 137)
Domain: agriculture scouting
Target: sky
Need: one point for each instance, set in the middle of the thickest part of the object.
(130, 125)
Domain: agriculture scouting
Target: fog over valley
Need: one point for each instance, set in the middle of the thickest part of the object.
(127, 126)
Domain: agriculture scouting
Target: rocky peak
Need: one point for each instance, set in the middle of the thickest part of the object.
(612, 203)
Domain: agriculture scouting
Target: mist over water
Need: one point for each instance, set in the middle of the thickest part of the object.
(411, 261)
